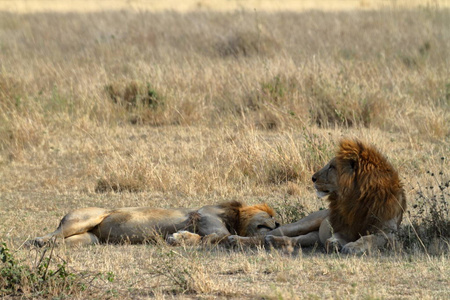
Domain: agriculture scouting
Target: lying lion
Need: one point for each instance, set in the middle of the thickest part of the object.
(212, 224)
(367, 202)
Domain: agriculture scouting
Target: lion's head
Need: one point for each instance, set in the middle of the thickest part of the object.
(257, 220)
(363, 189)
(325, 180)
(248, 220)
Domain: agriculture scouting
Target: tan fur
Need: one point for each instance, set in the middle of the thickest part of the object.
(367, 201)
(212, 223)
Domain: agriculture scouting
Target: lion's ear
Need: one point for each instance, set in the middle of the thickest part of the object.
(347, 166)
(352, 163)
(348, 153)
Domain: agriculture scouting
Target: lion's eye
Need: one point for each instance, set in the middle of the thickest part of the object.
(263, 227)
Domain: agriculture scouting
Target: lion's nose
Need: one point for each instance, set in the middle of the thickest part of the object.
(314, 178)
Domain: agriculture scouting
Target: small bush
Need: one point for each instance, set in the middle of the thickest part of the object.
(275, 103)
(282, 173)
(279, 91)
(134, 94)
(118, 185)
(430, 223)
(323, 100)
(47, 278)
(337, 101)
(248, 43)
(144, 105)
(290, 212)
(11, 93)
(123, 176)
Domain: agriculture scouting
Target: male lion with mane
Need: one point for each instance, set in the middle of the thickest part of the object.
(208, 224)
(366, 204)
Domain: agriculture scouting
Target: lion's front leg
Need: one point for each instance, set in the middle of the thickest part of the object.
(184, 237)
(335, 243)
(310, 223)
(306, 240)
(360, 246)
(215, 238)
(244, 241)
(188, 238)
(375, 241)
(279, 242)
(368, 243)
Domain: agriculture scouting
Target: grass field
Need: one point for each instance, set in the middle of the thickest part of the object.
(64, 6)
(136, 107)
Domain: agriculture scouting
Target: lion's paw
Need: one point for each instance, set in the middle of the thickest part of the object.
(233, 240)
(269, 241)
(285, 245)
(332, 245)
(172, 240)
(352, 248)
(278, 241)
(37, 242)
(183, 237)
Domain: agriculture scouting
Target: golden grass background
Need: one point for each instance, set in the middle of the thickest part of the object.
(161, 108)
(32, 6)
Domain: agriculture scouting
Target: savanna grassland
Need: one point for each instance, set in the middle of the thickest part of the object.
(163, 108)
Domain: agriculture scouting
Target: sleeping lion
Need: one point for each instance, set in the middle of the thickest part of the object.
(208, 224)
(366, 205)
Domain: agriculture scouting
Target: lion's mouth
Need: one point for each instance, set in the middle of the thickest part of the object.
(265, 228)
(321, 193)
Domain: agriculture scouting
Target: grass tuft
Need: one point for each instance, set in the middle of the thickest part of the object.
(142, 102)
(118, 185)
(185, 277)
(430, 217)
(49, 277)
(248, 43)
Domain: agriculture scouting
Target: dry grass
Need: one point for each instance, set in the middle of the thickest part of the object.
(135, 108)
(32, 6)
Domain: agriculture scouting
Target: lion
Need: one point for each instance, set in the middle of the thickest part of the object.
(366, 204)
(208, 224)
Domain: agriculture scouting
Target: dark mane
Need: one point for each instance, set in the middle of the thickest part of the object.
(369, 190)
(231, 216)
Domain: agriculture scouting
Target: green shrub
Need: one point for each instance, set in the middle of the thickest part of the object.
(142, 103)
(48, 277)
(43, 279)
(290, 212)
(430, 224)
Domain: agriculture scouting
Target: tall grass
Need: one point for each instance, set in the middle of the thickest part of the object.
(383, 69)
